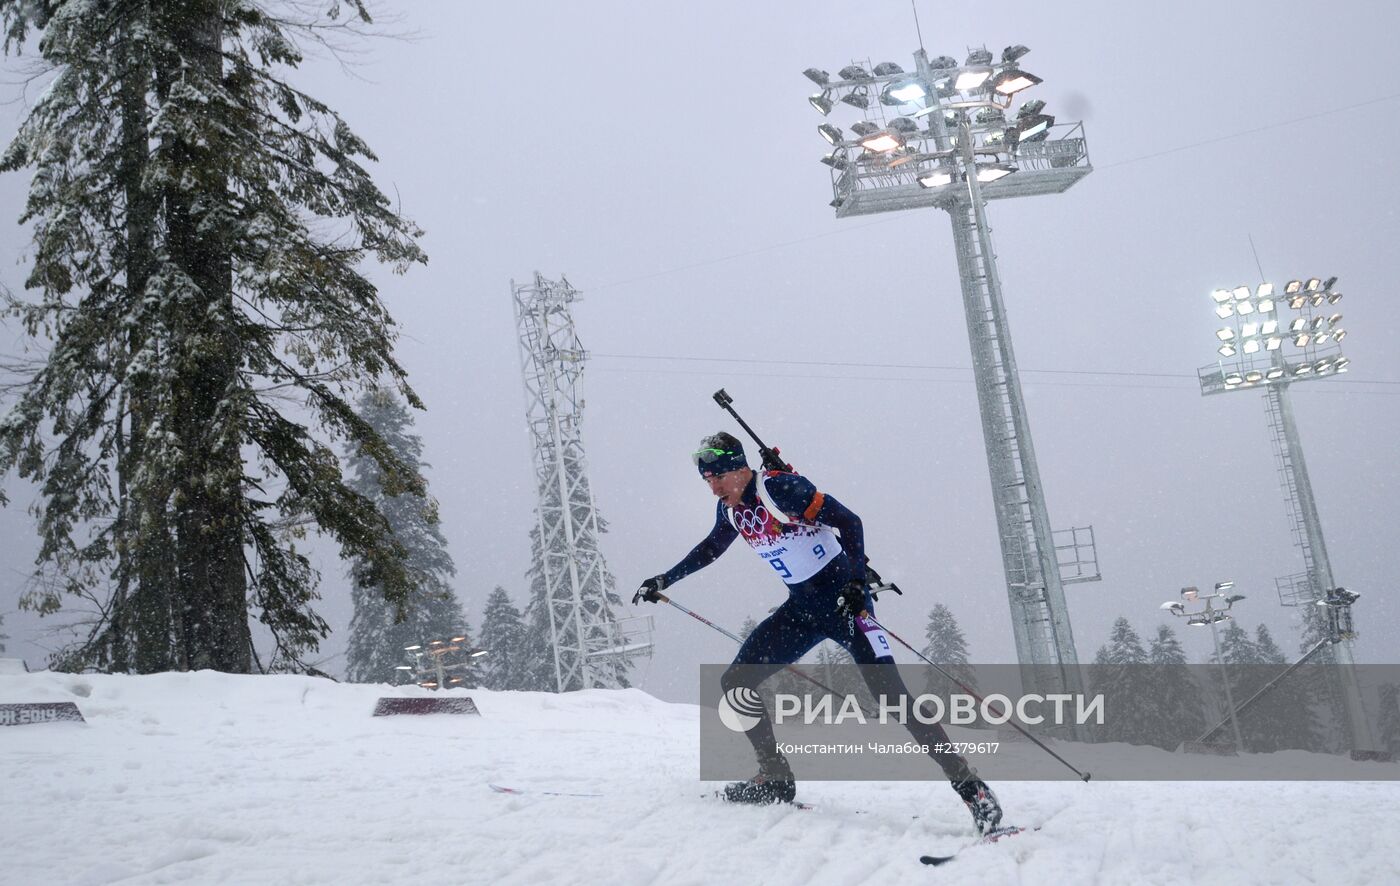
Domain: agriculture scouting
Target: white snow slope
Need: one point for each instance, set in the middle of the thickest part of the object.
(211, 778)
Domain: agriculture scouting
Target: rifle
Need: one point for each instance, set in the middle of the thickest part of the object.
(772, 460)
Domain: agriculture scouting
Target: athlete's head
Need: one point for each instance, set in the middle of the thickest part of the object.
(720, 459)
(719, 454)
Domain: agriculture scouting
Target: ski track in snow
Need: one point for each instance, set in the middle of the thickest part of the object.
(212, 778)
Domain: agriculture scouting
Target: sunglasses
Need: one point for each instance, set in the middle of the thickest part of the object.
(709, 455)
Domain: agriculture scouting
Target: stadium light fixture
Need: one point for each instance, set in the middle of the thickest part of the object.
(936, 178)
(989, 173)
(857, 98)
(881, 142)
(1011, 54)
(970, 78)
(904, 93)
(1033, 127)
(1012, 81)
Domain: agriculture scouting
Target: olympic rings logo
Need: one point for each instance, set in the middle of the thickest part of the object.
(752, 522)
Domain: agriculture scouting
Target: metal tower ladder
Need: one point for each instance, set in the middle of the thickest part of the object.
(1040, 618)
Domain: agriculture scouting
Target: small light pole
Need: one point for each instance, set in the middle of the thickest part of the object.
(1209, 616)
(434, 660)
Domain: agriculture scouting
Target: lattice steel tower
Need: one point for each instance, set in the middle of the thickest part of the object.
(592, 648)
(1257, 351)
(940, 137)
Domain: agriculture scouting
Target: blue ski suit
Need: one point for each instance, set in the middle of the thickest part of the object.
(815, 544)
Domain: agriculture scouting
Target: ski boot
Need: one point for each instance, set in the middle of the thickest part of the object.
(986, 811)
(772, 784)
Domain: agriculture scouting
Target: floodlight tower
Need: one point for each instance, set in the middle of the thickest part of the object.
(1257, 352)
(941, 137)
(592, 648)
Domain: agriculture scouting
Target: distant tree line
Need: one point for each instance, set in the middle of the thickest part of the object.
(1152, 697)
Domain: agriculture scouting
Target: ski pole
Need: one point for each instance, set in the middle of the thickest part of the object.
(1083, 776)
(703, 620)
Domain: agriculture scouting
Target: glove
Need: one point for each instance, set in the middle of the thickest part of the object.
(650, 590)
(852, 599)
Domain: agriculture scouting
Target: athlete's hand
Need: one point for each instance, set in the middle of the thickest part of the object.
(852, 599)
(650, 590)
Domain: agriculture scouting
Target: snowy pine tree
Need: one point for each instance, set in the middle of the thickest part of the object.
(747, 628)
(1269, 653)
(198, 224)
(503, 637)
(1284, 717)
(537, 671)
(1181, 714)
(1130, 706)
(539, 644)
(1274, 720)
(1236, 648)
(835, 667)
(947, 647)
(379, 630)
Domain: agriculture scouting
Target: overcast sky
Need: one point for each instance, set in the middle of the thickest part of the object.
(664, 158)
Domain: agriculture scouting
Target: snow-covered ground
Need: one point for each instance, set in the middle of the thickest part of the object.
(211, 778)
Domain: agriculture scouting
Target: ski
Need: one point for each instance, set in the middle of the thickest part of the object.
(993, 837)
(501, 789)
(719, 795)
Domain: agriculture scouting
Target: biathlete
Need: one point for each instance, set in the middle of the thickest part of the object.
(816, 545)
